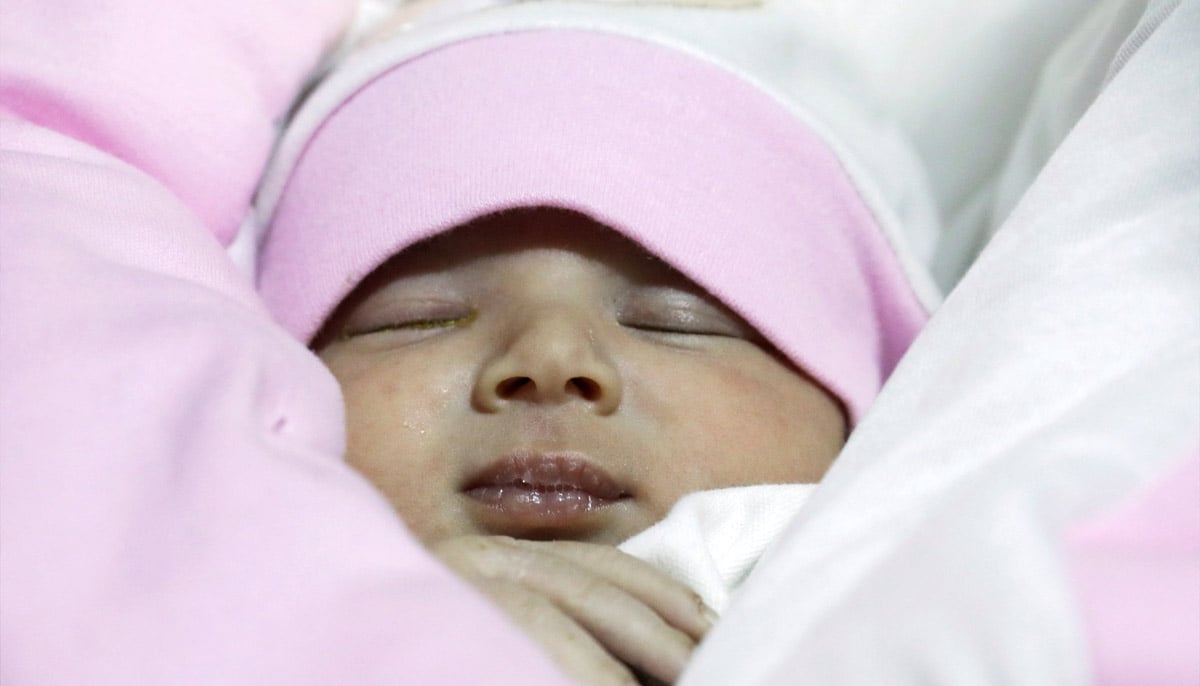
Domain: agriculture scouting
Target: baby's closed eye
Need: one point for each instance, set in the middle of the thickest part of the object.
(671, 311)
(419, 316)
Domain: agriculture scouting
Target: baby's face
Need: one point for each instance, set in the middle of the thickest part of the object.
(537, 375)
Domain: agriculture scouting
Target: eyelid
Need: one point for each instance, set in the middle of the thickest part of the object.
(409, 316)
(671, 311)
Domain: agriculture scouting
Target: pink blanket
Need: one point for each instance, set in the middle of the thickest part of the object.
(173, 504)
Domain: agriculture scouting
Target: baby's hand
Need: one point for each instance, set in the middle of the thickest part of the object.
(600, 613)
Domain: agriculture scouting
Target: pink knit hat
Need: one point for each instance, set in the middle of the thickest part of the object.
(694, 163)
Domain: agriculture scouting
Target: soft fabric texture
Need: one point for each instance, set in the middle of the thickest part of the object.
(711, 540)
(960, 114)
(1136, 569)
(1061, 378)
(173, 504)
(188, 93)
(713, 175)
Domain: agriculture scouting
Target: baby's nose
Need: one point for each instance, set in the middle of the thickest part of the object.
(550, 360)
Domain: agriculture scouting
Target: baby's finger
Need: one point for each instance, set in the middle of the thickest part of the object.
(575, 651)
(624, 625)
(678, 605)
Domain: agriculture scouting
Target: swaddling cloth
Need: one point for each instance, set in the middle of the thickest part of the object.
(711, 540)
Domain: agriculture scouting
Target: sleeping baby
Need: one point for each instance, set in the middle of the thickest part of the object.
(567, 274)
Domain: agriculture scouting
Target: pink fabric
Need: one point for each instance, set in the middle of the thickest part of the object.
(173, 504)
(1137, 571)
(700, 167)
(163, 86)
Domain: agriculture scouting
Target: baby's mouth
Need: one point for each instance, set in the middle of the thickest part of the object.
(543, 490)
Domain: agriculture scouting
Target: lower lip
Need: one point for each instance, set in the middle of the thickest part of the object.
(544, 495)
(539, 503)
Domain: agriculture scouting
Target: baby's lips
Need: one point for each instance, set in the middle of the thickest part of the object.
(532, 494)
(557, 472)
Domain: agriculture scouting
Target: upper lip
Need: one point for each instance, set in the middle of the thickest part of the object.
(553, 471)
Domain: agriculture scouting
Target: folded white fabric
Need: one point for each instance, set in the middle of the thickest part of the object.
(711, 540)
(1060, 378)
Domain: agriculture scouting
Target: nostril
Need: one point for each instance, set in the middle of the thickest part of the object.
(512, 385)
(587, 388)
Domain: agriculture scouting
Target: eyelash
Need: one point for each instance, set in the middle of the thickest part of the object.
(668, 329)
(416, 325)
(431, 324)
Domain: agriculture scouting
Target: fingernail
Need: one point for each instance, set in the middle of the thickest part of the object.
(709, 615)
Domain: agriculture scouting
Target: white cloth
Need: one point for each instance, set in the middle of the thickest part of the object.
(1062, 376)
(711, 540)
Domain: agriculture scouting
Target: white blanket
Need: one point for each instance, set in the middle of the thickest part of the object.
(1059, 379)
(711, 540)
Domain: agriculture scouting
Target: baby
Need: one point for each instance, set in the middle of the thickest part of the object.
(566, 276)
(535, 374)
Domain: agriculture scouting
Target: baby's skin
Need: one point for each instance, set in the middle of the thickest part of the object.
(531, 389)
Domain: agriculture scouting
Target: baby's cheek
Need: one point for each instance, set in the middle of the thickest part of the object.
(408, 401)
(380, 424)
(750, 404)
(719, 430)
(393, 442)
(766, 428)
